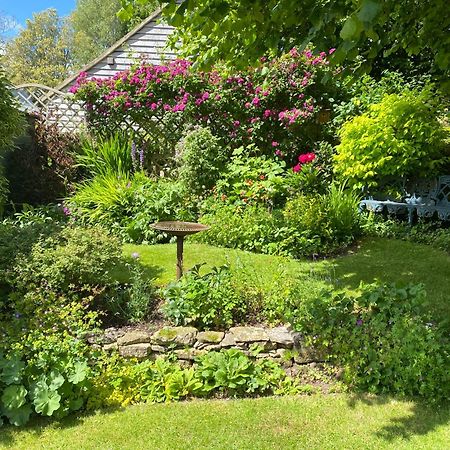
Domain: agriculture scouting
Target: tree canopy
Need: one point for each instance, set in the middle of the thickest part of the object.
(40, 53)
(242, 31)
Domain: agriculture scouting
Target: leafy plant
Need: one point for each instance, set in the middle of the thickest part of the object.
(205, 301)
(201, 158)
(112, 155)
(126, 205)
(399, 137)
(382, 338)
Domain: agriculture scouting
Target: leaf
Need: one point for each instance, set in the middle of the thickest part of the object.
(46, 402)
(14, 396)
(79, 373)
(19, 416)
(10, 370)
(55, 380)
(369, 10)
(351, 29)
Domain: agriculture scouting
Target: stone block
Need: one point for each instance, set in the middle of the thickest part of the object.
(180, 336)
(249, 334)
(210, 337)
(140, 351)
(134, 337)
(281, 336)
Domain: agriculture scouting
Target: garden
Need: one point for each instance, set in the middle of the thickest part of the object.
(293, 290)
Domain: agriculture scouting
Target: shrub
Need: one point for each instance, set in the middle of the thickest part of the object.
(44, 362)
(252, 179)
(382, 338)
(228, 372)
(398, 137)
(205, 301)
(252, 228)
(11, 126)
(126, 205)
(68, 260)
(201, 159)
(41, 168)
(323, 223)
(275, 102)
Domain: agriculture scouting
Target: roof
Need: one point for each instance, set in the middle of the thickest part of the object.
(110, 50)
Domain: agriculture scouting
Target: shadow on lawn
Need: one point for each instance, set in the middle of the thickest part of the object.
(423, 418)
(10, 435)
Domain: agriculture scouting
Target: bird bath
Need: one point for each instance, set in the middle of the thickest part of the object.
(180, 230)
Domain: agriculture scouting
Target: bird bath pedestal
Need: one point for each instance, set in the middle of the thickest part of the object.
(180, 230)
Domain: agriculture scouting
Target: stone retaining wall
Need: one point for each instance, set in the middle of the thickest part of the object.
(279, 343)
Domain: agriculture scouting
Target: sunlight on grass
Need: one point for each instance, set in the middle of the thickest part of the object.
(316, 422)
(385, 260)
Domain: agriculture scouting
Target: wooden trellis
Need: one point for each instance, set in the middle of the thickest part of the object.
(53, 106)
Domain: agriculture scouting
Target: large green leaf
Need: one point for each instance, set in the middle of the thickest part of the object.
(14, 396)
(18, 416)
(11, 370)
(46, 401)
(79, 372)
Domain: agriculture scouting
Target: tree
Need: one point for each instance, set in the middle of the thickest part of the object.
(241, 31)
(95, 26)
(40, 53)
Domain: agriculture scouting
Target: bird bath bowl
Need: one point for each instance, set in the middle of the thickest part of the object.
(180, 230)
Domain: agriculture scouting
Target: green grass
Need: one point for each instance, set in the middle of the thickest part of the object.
(316, 422)
(386, 260)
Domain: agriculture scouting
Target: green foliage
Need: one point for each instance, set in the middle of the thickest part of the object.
(253, 228)
(40, 52)
(382, 338)
(201, 159)
(433, 234)
(106, 156)
(232, 373)
(252, 179)
(72, 258)
(323, 223)
(360, 30)
(205, 301)
(141, 296)
(126, 205)
(95, 27)
(44, 365)
(11, 126)
(398, 137)
(228, 372)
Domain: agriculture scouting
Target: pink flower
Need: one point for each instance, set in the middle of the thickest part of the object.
(297, 168)
(275, 144)
(306, 158)
(267, 113)
(256, 101)
(236, 123)
(247, 105)
(331, 51)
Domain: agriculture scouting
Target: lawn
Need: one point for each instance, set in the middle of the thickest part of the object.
(317, 422)
(386, 260)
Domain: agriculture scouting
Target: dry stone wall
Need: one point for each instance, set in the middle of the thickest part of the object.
(187, 343)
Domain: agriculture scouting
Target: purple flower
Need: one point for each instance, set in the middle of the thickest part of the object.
(359, 322)
(133, 155)
(135, 255)
(141, 158)
(66, 211)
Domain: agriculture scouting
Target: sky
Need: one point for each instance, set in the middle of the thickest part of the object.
(20, 10)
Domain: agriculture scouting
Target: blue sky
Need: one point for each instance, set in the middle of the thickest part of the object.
(20, 10)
